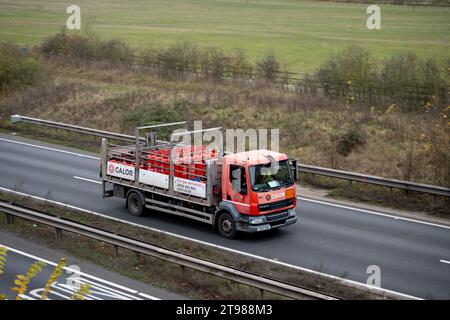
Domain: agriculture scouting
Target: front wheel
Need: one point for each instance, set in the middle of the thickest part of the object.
(226, 225)
(135, 204)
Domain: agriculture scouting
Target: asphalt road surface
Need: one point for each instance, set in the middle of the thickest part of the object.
(104, 284)
(413, 257)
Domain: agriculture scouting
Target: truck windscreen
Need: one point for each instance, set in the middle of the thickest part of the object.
(270, 176)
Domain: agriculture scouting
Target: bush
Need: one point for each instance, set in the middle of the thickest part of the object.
(87, 47)
(115, 50)
(17, 68)
(177, 58)
(71, 44)
(350, 72)
(268, 68)
(411, 82)
(349, 141)
(214, 63)
(239, 66)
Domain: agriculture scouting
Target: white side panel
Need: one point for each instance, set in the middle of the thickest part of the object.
(194, 188)
(120, 170)
(154, 178)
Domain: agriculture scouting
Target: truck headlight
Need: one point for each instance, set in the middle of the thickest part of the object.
(255, 220)
(291, 212)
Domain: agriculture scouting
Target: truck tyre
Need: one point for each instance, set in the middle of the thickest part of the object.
(135, 203)
(226, 225)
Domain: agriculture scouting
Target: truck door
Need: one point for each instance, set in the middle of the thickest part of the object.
(237, 190)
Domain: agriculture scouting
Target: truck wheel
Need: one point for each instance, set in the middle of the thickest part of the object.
(226, 225)
(135, 204)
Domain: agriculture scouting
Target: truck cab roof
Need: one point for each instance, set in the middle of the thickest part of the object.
(254, 157)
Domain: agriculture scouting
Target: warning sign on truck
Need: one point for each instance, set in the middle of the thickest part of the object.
(120, 170)
(193, 188)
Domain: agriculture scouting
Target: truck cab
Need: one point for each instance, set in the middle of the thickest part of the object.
(258, 192)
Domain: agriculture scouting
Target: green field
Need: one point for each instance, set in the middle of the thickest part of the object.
(300, 33)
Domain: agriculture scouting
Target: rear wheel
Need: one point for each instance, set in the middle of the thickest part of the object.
(226, 225)
(135, 204)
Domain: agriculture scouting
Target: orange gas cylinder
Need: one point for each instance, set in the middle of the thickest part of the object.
(177, 152)
(165, 164)
(165, 152)
(190, 168)
(151, 162)
(198, 150)
(157, 164)
(187, 150)
(193, 169)
(200, 169)
(181, 171)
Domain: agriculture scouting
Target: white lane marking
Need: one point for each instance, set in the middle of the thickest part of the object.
(375, 213)
(86, 179)
(444, 261)
(348, 282)
(333, 205)
(301, 198)
(48, 262)
(50, 149)
(329, 204)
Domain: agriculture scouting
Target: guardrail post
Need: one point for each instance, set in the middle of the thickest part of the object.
(261, 294)
(433, 201)
(58, 233)
(350, 185)
(140, 258)
(9, 219)
(116, 251)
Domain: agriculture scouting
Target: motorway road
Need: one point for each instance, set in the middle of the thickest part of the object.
(104, 284)
(413, 257)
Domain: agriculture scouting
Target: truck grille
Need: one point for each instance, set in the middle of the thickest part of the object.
(277, 216)
(276, 205)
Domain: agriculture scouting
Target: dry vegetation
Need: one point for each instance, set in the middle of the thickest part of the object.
(339, 131)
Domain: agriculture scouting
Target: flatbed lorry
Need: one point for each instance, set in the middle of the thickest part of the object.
(248, 191)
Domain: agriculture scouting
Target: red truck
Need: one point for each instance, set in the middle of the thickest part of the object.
(248, 191)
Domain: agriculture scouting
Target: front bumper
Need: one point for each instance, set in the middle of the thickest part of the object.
(280, 219)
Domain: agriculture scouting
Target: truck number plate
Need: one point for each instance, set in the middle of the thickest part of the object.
(263, 227)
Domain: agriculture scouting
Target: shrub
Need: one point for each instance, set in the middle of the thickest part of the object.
(71, 44)
(350, 72)
(411, 82)
(87, 47)
(268, 67)
(17, 68)
(177, 58)
(350, 140)
(239, 66)
(214, 63)
(115, 50)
